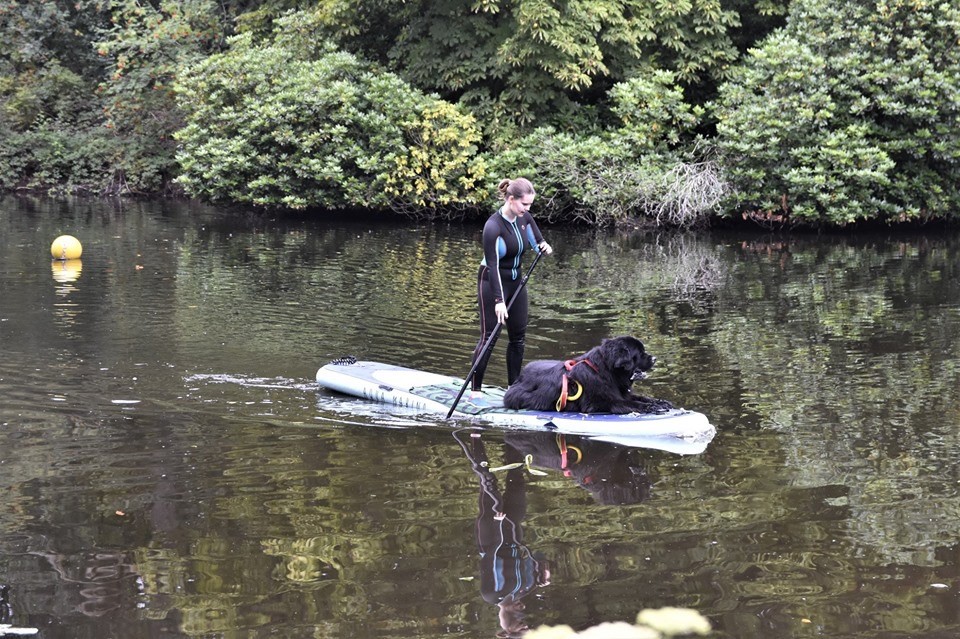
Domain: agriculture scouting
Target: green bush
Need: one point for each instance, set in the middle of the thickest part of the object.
(13, 159)
(66, 123)
(850, 113)
(629, 174)
(599, 180)
(146, 46)
(652, 111)
(59, 160)
(437, 169)
(294, 126)
(52, 136)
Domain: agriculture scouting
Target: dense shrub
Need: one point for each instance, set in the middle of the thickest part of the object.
(850, 113)
(146, 45)
(296, 126)
(628, 174)
(85, 103)
(437, 169)
(50, 139)
(52, 159)
(601, 181)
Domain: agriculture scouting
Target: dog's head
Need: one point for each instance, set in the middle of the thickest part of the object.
(628, 355)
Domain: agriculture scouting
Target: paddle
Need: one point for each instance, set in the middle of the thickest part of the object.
(493, 336)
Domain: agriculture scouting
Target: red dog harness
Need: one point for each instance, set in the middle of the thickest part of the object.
(565, 395)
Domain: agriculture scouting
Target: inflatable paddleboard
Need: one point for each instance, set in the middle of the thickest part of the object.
(678, 430)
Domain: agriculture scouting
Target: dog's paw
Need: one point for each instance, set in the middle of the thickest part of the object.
(651, 405)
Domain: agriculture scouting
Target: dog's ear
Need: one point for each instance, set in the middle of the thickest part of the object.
(625, 352)
(621, 355)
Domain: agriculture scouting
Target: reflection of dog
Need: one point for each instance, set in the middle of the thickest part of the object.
(612, 474)
(598, 381)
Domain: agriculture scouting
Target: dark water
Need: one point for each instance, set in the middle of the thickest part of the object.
(168, 468)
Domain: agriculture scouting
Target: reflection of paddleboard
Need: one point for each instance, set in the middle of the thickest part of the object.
(679, 430)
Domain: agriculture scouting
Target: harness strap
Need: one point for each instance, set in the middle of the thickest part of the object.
(562, 400)
(565, 395)
(570, 363)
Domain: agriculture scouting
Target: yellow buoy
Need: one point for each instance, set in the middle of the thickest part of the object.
(66, 247)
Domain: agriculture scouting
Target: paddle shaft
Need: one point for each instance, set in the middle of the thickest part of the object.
(493, 336)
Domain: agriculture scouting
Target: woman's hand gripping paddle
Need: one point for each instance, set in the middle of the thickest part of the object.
(493, 336)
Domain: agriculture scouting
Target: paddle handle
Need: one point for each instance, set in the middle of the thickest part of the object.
(493, 336)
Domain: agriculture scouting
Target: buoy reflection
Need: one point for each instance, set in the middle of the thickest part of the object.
(65, 310)
(66, 271)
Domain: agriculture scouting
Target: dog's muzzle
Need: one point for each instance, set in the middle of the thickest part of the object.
(639, 373)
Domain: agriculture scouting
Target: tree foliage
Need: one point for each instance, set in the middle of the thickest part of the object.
(147, 45)
(85, 87)
(849, 113)
(532, 62)
(48, 72)
(295, 123)
(631, 172)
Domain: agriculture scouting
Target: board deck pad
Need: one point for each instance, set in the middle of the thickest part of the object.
(435, 393)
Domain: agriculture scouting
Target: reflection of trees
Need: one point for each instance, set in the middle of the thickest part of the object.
(603, 272)
(853, 377)
(846, 348)
(404, 556)
(830, 367)
(811, 336)
(346, 288)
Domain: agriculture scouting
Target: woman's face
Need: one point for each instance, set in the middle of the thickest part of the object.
(520, 205)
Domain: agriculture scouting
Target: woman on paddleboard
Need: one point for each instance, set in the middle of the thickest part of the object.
(506, 235)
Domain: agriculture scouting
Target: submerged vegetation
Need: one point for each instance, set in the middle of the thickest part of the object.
(812, 112)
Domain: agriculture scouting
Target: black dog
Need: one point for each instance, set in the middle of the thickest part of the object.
(598, 381)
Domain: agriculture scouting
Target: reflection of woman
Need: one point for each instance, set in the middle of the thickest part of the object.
(506, 235)
(508, 569)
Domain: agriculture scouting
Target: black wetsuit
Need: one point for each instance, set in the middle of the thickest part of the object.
(498, 278)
